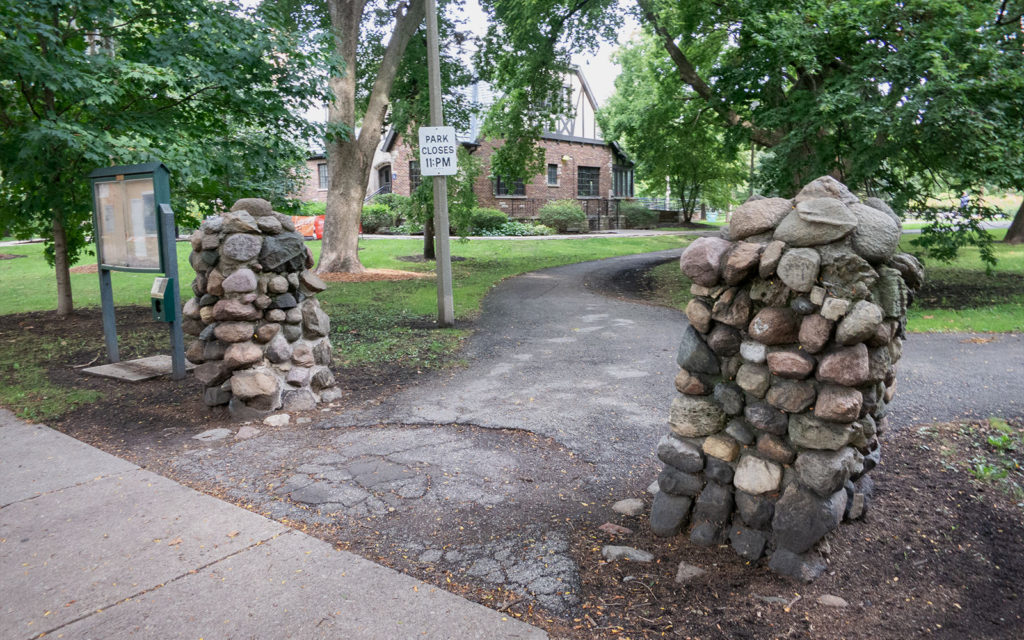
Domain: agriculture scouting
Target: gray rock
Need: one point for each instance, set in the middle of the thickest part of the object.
(298, 376)
(730, 397)
(322, 379)
(771, 293)
(277, 284)
(877, 235)
(680, 454)
(694, 354)
(802, 518)
(242, 247)
(277, 420)
(810, 432)
(832, 601)
(714, 504)
(283, 252)
(216, 396)
(210, 435)
(311, 282)
(707, 534)
(815, 332)
(278, 350)
(775, 448)
(677, 483)
(302, 355)
(798, 268)
(748, 543)
(239, 222)
(724, 340)
(740, 261)
(756, 476)
(732, 308)
(757, 216)
(740, 431)
(756, 510)
(718, 471)
(816, 221)
(802, 567)
(612, 553)
(210, 258)
(765, 417)
(330, 395)
(702, 260)
(845, 274)
(256, 207)
(269, 225)
(291, 332)
(826, 187)
(241, 281)
(883, 206)
(791, 396)
(803, 305)
(695, 416)
(721, 446)
(211, 374)
(825, 472)
(754, 379)
(298, 400)
(794, 364)
(770, 258)
(253, 383)
(629, 507)
(669, 514)
(860, 324)
(753, 351)
(890, 292)
(247, 432)
(688, 572)
(910, 268)
(285, 301)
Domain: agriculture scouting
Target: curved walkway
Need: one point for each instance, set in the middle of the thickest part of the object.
(553, 356)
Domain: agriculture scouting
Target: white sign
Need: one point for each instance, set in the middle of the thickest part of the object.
(437, 151)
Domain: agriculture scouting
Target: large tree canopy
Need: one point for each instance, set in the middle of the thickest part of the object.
(906, 100)
(202, 86)
(670, 132)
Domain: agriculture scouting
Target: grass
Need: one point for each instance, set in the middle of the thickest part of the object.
(990, 451)
(382, 326)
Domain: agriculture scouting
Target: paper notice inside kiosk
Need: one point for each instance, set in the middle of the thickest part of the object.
(128, 236)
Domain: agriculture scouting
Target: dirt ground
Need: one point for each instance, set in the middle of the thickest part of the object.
(940, 553)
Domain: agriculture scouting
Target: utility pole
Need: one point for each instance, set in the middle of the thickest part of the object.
(445, 304)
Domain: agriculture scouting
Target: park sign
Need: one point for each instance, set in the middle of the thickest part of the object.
(437, 151)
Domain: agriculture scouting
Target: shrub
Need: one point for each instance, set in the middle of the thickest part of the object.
(376, 217)
(562, 215)
(637, 216)
(516, 228)
(483, 219)
(313, 208)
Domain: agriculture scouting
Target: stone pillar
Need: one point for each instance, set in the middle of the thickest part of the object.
(261, 338)
(786, 371)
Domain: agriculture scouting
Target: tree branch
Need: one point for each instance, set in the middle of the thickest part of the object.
(688, 74)
(406, 25)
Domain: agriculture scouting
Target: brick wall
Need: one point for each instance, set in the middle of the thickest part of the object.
(310, 191)
(568, 156)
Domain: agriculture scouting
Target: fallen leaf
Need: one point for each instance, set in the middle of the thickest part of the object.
(174, 542)
(233, 533)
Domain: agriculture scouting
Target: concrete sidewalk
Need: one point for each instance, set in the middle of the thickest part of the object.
(92, 546)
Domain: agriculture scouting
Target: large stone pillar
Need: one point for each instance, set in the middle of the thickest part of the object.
(786, 371)
(261, 338)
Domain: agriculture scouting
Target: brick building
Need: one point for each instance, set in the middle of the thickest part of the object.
(579, 165)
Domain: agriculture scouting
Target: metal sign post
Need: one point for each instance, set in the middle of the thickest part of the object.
(445, 304)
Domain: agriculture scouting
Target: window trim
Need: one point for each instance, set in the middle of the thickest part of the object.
(323, 177)
(555, 183)
(415, 178)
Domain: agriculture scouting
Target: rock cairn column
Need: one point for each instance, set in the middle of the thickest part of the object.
(261, 338)
(787, 367)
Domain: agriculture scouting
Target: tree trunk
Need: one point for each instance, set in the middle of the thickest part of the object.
(1015, 234)
(60, 262)
(428, 239)
(349, 159)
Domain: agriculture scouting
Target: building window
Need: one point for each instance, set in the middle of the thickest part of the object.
(622, 182)
(587, 182)
(552, 175)
(414, 175)
(384, 179)
(509, 188)
(324, 179)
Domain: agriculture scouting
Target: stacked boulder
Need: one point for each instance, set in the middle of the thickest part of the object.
(787, 368)
(261, 338)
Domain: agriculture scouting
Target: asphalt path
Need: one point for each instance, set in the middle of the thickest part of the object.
(564, 353)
